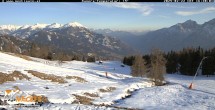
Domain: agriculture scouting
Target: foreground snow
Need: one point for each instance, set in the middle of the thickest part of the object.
(57, 93)
(61, 107)
(174, 95)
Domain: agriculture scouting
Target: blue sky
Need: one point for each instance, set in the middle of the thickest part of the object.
(122, 16)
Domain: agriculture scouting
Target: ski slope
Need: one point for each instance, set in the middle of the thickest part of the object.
(57, 93)
(174, 95)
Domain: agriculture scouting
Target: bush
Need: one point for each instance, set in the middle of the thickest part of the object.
(82, 100)
(109, 89)
(78, 79)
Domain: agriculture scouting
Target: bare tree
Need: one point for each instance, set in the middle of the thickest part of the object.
(138, 69)
(158, 68)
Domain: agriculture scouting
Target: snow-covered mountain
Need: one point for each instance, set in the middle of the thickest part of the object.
(181, 35)
(71, 38)
(7, 29)
(26, 31)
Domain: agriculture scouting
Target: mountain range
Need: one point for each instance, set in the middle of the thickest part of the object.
(181, 35)
(72, 38)
(176, 37)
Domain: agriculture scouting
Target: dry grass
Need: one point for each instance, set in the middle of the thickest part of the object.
(51, 77)
(23, 57)
(91, 94)
(83, 100)
(5, 77)
(109, 89)
(76, 78)
(20, 56)
(16, 87)
(43, 99)
(11, 77)
(19, 75)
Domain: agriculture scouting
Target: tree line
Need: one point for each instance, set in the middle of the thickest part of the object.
(184, 62)
(187, 61)
(50, 53)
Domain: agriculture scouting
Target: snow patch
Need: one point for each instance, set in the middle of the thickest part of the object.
(49, 37)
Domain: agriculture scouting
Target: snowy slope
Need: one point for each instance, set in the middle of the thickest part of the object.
(176, 95)
(62, 93)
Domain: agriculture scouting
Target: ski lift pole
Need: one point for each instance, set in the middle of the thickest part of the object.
(191, 85)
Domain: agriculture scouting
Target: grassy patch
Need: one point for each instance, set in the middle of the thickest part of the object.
(51, 77)
(19, 75)
(16, 87)
(91, 94)
(21, 56)
(11, 77)
(40, 98)
(76, 78)
(83, 100)
(109, 89)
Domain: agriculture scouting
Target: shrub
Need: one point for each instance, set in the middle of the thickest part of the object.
(78, 79)
(44, 76)
(109, 89)
(10, 77)
(83, 100)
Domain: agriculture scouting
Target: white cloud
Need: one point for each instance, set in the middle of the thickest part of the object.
(144, 9)
(203, 11)
(179, 6)
(163, 16)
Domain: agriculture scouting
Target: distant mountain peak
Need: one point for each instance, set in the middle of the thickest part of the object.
(38, 25)
(24, 26)
(73, 24)
(188, 23)
(54, 25)
(186, 26)
(9, 27)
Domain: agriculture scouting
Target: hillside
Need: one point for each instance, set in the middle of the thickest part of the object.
(127, 37)
(76, 82)
(79, 78)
